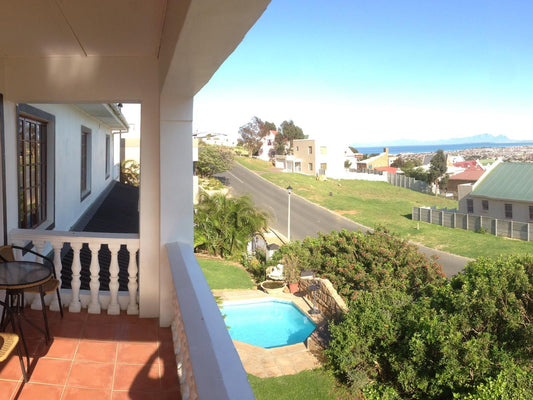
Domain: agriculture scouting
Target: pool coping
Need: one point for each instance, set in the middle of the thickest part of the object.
(277, 361)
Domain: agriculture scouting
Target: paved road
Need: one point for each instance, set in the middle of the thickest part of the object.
(307, 219)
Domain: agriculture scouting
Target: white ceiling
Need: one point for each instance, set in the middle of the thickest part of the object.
(40, 28)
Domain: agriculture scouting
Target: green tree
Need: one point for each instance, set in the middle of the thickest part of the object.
(224, 226)
(252, 133)
(213, 160)
(437, 167)
(129, 172)
(291, 131)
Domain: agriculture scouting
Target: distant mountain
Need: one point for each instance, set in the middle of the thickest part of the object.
(484, 138)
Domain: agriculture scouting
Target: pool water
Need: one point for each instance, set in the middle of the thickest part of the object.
(268, 324)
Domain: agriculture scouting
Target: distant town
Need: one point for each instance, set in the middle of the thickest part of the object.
(509, 154)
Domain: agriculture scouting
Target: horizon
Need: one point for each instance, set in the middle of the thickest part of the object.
(376, 72)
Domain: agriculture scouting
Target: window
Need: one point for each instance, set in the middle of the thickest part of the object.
(297, 148)
(323, 166)
(531, 213)
(508, 211)
(85, 177)
(485, 205)
(309, 149)
(323, 150)
(469, 206)
(107, 156)
(32, 173)
(310, 166)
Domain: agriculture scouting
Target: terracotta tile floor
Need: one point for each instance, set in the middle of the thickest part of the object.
(94, 357)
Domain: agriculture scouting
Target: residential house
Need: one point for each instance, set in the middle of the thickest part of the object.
(159, 54)
(503, 192)
(381, 160)
(312, 157)
(267, 152)
(469, 176)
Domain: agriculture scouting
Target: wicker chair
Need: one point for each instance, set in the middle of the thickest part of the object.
(10, 341)
(6, 254)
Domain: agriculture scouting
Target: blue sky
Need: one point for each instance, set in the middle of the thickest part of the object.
(371, 71)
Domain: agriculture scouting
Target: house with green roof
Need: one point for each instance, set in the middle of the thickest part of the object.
(504, 192)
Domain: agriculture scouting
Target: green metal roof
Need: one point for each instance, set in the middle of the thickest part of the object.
(508, 181)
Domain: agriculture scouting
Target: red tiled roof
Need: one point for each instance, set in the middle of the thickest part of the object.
(468, 175)
(391, 170)
(472, 164)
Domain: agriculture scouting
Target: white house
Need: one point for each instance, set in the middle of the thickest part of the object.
(267, 151)
(157, 53)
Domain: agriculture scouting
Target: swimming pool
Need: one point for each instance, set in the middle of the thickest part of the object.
(267, 323)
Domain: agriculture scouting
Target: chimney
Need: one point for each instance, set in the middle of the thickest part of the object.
(386, 150)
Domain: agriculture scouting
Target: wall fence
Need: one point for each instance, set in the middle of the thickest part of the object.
(474, 223)
(409, 183)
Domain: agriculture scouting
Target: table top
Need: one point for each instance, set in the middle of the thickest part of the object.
(20, 274)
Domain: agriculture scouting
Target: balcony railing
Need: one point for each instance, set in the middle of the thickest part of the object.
(208, 364)
(94, 299)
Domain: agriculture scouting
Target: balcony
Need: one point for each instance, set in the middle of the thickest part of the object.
(102, 349)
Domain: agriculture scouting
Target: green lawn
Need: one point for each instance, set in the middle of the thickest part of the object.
(307, 385)
(254, 164)
(379, 203)
(221, 274)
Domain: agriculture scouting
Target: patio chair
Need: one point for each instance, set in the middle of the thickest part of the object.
(10, 341)
(275, 273)
(6, 254)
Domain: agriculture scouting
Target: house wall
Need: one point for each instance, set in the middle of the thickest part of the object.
(301, 151)
(497, 208)
(65, 180)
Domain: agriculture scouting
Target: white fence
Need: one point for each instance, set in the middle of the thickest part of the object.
(475, 223)
(409, 183)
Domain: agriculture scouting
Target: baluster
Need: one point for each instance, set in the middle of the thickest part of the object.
(57, 246)
(39, 248)
(94, 305)
(75, 284)
(133, 308)
(114, 307)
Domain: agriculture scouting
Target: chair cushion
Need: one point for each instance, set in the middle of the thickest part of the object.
(8, 341)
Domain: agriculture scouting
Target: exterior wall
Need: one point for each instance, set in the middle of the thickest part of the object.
(268, 143)
(497, 209)
(454, 184)
(300, 149)
(64, 151)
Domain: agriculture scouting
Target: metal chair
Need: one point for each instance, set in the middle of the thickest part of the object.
(7, 254)
(10, 341)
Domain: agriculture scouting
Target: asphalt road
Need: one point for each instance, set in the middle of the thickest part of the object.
(307, 219)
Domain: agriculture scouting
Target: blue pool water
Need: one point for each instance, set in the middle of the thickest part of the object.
(267, 324)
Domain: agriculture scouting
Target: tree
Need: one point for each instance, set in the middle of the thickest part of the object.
(437, 167)
(213, 160)
(253, 132)
(291, 131)
(129, 172)
(347, 164)
(224, 226)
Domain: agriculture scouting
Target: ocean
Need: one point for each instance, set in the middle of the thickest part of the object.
(432, 148)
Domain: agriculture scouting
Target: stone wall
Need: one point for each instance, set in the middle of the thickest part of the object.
(327, 299)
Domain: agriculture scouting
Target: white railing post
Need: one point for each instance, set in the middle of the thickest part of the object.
(57, 246)
(39, 247)
(133, 307)
(94, 304)
(114, 307)
(75, 284)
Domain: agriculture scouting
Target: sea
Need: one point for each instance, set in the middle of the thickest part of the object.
(432, 148)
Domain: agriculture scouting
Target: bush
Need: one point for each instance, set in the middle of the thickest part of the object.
(213, 160)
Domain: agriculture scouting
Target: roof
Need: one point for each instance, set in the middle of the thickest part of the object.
(472, 164)
(468, 175)
(508, 181)
(392, 170)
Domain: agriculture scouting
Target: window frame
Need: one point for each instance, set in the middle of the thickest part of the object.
(85, 162)
(469, 206)
(310, 166)
(508, 210)
(485, 205)
(531, 213)
(107, 156)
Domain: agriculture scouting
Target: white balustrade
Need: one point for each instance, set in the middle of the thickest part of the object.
(96, 300)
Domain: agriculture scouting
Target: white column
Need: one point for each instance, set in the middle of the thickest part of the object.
(114, 307)
(75, 304)
(149, 210)
(39, 248)
(94, 304)
(176, 188)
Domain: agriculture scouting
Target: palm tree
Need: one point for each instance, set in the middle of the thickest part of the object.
(224, 226)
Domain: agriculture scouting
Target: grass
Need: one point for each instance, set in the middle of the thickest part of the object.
(255, 164)
(221, 274)
(307, 385)
(379, 203)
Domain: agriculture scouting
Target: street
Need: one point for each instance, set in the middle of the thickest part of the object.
(307, 219)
